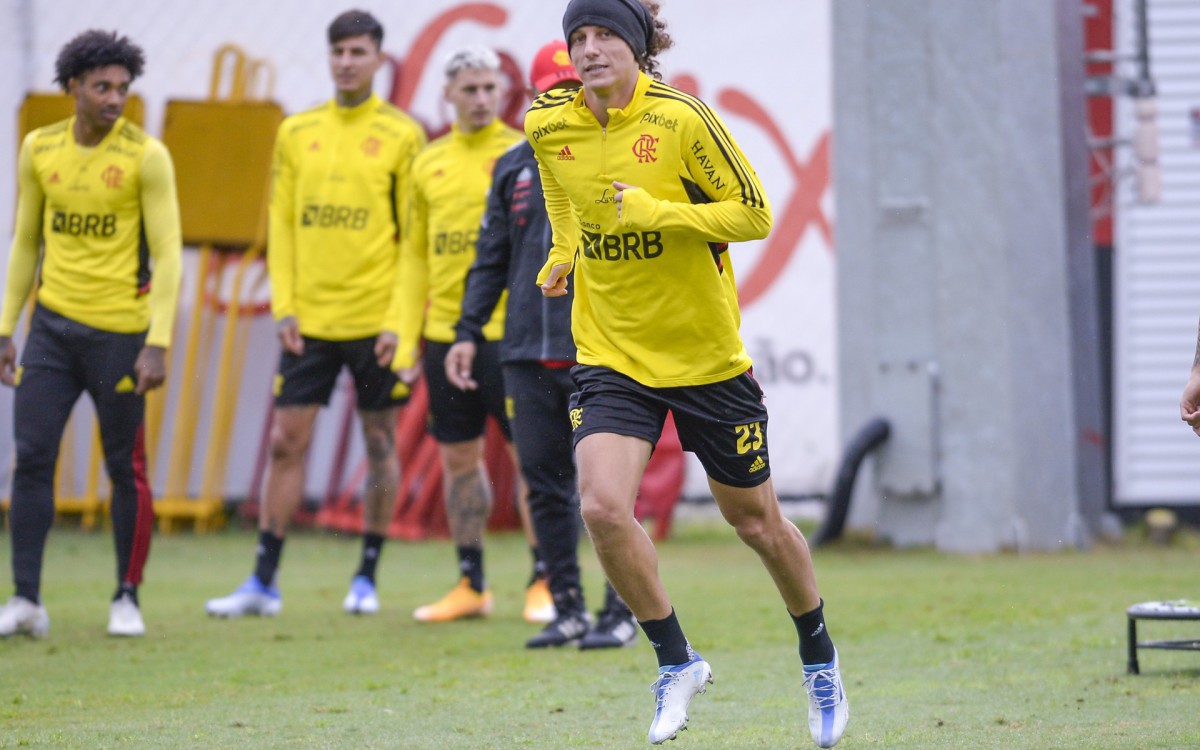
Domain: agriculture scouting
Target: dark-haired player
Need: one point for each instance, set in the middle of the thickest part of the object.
(340, 170)
(97, 207)
(645, 187)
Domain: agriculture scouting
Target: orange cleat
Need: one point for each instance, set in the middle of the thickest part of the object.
(539, 604)
(462, 601)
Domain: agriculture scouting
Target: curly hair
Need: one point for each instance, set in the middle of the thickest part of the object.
(97, 49)
(660, 41)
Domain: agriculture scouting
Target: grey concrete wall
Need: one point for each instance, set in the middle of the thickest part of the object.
(960, 225)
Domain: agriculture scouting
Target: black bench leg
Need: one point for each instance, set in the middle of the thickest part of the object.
(1132, 666)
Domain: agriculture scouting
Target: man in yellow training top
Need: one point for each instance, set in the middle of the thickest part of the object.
(98, 195)
(644, 188)
(446, 199)
(340, 170)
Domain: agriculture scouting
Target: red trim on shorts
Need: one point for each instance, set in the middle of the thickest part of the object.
(144, 524)
(558, 364)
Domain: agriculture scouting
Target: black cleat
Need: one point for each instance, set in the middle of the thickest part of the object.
(616, 628)
(567, 628)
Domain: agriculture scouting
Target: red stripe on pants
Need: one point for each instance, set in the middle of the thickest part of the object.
(145, 512)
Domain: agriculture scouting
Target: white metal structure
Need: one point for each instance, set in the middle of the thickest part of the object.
(1156, 458)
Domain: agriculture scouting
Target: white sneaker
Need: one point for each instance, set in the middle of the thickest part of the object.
(828, 709)
(361, 600)
(251, 598)
(23, 616)
(674, 690)
(124, 618)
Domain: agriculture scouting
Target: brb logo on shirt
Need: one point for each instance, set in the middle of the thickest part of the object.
(84, 225)
(455, 243)
(335, 217)
(628, 246)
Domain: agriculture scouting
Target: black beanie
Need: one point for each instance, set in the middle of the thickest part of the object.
(628, 19)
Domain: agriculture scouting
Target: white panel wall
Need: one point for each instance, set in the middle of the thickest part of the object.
(764, 66)
(1157, 273)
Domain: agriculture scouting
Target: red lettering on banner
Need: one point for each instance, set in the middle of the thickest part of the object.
(803, 206)
(407, 72)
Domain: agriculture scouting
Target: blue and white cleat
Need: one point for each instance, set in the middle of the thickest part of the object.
(251, 598)
(828, 708)
(362, 599)
(674, 689)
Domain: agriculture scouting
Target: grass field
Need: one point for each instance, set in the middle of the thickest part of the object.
(1007, 651)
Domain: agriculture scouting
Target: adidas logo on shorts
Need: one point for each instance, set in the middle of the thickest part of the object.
(758, 464)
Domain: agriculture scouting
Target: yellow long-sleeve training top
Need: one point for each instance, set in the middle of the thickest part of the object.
(445, 202)
(339, 179)
(108, 216)
(655, 295)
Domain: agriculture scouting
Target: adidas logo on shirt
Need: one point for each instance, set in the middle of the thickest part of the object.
(565, 154)
(758, 464)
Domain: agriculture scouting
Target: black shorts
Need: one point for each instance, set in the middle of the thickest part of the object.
(457, 416)
(308, 378)
(724, 424)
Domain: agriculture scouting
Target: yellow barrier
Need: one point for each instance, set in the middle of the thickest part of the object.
(221, 211)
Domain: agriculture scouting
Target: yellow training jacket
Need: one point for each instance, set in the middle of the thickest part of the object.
(446, 199)
(339, 178)
(109, 217)
(655, 296)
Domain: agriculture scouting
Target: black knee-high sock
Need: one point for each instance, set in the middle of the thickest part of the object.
(372, 546)
(270, 548)
(816, 647)
(666, 636)
(470, 562)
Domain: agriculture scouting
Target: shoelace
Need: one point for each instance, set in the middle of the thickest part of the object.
(822, 687)
(659, 686)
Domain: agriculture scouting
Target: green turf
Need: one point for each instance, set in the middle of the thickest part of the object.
(1005, 651)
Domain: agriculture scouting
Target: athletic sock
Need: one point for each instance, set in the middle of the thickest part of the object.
(670, 645)
(372, 546)
(539, 566)
(270, 548)
(28, 592)
(127, 588)
(816, 647)
(470, 563)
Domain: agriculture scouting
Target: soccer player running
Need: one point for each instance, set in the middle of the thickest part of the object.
(655, 186)
(99, 195)
(339, 174)
(536, 355)
(446, 197)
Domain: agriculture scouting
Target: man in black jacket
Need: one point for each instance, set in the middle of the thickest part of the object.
(536, 354)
